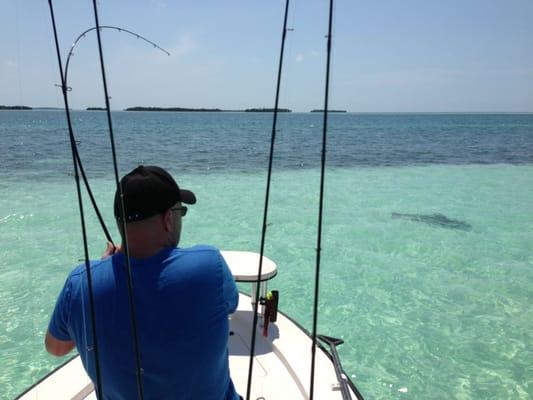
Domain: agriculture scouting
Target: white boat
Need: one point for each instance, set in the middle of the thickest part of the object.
(282, 360)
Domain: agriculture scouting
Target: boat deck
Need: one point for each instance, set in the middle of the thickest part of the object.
(281, 365)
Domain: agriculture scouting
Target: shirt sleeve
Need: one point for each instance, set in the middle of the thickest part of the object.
(58, 326)
(229, 288)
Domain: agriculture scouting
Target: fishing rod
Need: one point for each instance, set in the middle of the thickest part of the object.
(321, 205)
(135, 339)
(91, 197)
(267, 196)
(64, 90)
(78, 166)
(68, 89)
(102, 27)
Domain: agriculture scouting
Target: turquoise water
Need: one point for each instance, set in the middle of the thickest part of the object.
(426, 311)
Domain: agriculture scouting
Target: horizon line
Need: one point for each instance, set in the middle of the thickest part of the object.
(46, 108)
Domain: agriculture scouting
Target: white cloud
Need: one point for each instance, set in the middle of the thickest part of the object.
(186, 43)
(458, 77)
(299, 58)
(161, 5)
(11, 63)
(411, 77)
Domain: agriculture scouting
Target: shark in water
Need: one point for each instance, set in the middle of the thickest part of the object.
(435, 219)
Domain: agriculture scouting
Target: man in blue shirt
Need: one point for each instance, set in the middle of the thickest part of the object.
(182, 299)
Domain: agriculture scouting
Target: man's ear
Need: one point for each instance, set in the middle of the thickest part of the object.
(167, 220)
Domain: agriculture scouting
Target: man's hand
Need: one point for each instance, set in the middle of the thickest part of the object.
(57, 347)
(110, 250)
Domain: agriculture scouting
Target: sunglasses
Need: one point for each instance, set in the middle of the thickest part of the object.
(182, 210)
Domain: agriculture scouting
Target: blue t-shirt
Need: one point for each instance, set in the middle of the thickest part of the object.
(182, 301)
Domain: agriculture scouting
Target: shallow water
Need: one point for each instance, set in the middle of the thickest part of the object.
(426, 311)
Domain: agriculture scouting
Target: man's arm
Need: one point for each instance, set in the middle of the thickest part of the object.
(57, 347)
(58, 340)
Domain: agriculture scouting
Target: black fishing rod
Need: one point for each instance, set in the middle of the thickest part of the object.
(68, 89)
(102, 27)
(80, 203)
(93, 200)
(76, 156)
(267, 196)
(135, 338)
(321, 205)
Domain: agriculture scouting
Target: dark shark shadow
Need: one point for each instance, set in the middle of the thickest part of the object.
(435, 219)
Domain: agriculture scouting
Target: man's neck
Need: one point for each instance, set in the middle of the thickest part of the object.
(145, 248)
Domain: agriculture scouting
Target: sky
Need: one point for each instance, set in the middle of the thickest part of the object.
(388, 56)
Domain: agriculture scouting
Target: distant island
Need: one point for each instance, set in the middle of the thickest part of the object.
(15, 107)
(331, 111)
(95, 109)
(266, 110)
(186, 109)
(179, 109)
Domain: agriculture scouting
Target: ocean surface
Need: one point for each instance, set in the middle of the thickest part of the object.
(427, 261)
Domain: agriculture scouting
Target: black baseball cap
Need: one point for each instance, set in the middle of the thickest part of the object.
(149, 190)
